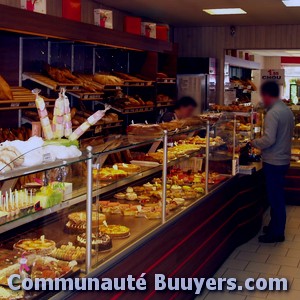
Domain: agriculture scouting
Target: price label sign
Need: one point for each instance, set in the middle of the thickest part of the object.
(273, 75)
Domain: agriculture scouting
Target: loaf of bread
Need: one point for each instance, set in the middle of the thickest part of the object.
(5, 92)
(107, 79)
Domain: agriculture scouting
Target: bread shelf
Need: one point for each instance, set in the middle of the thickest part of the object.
(49, 83)
(83, 96)
(134, 110)
(165, 104)
(22, 99)
(166, 81)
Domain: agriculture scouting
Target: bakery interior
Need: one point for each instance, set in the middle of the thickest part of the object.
(92, 183)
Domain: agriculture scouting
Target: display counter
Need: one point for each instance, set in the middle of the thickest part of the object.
(194, 243)
(131, 205)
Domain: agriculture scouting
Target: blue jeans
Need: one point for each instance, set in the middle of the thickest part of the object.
(275, 179)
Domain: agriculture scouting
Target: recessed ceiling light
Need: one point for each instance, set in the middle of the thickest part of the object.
(225, 11)
(291, 3)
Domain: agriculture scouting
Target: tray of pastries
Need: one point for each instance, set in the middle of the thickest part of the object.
(70, 252)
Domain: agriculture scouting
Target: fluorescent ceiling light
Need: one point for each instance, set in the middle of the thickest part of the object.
(225, 11)
(291, 3)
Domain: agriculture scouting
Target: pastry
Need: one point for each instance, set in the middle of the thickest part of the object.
(179, 201)
(100, 242)
(128, 168)
(107, 174)
(129, 190)
(176, 188)
(115, 231)
(70, 252)
(37, 246)
(149, 187)
(120, 196)
(131, 196)
(48, 267)
(79, 218)
(153, 215)
(138, 189)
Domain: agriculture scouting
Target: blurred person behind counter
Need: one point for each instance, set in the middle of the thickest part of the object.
(184, 108)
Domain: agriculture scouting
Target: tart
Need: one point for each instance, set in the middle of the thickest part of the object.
(138, 189)
(120, 196)
(79, 218)
(129, 168)
(115, 231)
(37, 246)
(100, 242)
(108, 174)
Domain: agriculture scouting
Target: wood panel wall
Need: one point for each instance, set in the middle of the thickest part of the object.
(212, 41)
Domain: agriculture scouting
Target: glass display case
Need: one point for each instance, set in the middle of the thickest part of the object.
(296, 138)
(80, 214)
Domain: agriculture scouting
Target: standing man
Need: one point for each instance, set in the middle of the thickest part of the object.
(275, 145)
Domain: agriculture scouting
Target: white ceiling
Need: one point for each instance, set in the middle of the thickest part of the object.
(295, 53)
(189, 12)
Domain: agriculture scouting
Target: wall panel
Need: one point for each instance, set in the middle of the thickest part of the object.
(212, 41)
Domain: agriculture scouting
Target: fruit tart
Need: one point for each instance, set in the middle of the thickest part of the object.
(37, 246)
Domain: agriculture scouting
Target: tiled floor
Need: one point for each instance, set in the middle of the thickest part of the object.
(265, 260)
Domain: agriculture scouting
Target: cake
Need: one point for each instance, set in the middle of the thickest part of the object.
(150, 130)
(115, 231)
(101, 242)
(77, 221)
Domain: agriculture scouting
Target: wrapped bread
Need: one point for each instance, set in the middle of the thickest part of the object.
(67, 116)
(43, 114)
(92, 120)
(58, 117)
(5, 92)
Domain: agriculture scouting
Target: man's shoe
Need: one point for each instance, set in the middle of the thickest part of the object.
(269, 239)
(266, 229)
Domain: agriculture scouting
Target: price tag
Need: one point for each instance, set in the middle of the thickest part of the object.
(47, 158)
(31, 104)
(15, 104)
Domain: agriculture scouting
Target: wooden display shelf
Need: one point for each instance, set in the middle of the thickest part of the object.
(26, 22)
(22, 99)
(133, 110)
(115, 124)
(85, 96)
(50, 83)
(138, 83)
(166, 80)
(165, 104)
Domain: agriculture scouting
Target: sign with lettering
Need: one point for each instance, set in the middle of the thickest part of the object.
(273, 74)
